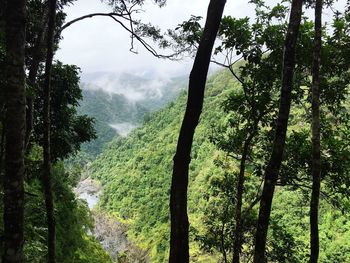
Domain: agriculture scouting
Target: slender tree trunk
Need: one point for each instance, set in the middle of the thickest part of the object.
(272, 169)
(37, 57)
(15, 128)
(223, 249)
(47, 176)
(238, 210)
(179, 243)
(316, 152)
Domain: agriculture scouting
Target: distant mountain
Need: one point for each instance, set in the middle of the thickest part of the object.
(109, 111)
(151, 92)
(120, 101)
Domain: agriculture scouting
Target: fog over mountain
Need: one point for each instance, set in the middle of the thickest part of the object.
(146, 87)
(133, 87)
(123, 128)
(119, 101)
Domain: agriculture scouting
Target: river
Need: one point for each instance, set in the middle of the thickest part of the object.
(111, 233)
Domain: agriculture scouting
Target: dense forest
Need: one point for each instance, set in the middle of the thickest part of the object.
(250, 163)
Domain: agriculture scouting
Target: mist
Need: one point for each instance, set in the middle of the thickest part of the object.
(134, 88)
(123, 128)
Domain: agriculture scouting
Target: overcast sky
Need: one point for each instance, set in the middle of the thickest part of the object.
(100, 44)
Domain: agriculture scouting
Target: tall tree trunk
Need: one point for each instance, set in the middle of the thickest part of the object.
(15, 129)
(272, 169)
(179, 243)
(2, 146)
(316, 152)
(238, 210)
(37, 57)
(47, 176)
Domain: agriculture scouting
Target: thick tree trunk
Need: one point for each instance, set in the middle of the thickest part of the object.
(179, 243)
(316, 152)
(272, 169)
(239, 198)
(47, 176)
(15, 129)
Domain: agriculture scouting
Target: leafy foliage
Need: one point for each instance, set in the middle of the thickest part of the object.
(68, 129)
(73, 218)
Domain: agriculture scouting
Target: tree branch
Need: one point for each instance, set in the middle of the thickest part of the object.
(126, 16)
(90, 16)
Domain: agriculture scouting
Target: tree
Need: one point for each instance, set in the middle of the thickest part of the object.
(261, 46)
(36, 50)
(2, 84)
(179, 243)
(68, 129)
(316, 140)
(15, 18)
(273, 166)
(34, 60)
(47, 176)
(253, 107)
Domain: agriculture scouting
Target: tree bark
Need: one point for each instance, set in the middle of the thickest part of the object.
(47, 176)
(273, 166)
(316, 140)
(15, 128)
(237, 245)
(2, 140)
(179, 242)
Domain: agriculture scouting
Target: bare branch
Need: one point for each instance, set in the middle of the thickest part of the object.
(91, 16)
(229, 67)
(126, 16)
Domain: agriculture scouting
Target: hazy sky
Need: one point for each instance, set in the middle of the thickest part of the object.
(100, 44)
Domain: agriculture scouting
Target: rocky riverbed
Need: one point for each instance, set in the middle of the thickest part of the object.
(111, 233)
(89, 190)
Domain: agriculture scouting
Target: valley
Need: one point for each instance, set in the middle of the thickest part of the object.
(116, 114)
(134, 171)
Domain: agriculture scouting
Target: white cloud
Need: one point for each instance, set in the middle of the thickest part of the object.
(99, 44)
(144, 86)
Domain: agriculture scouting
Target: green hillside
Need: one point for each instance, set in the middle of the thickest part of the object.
(118, 111)
(107, 109)
(136, 173)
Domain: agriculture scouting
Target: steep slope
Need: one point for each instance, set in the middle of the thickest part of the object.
(136, 172)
